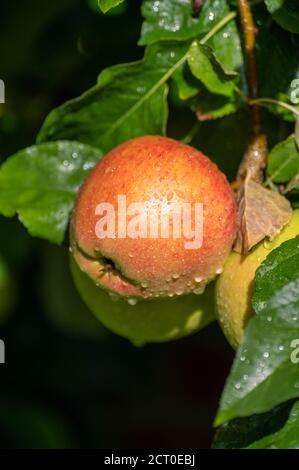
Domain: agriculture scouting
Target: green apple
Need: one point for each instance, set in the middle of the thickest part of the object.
(234, 286)
(148, 320)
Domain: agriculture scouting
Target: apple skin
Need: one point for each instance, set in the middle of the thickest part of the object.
(235, 285)
(150, 170)
(149, 320)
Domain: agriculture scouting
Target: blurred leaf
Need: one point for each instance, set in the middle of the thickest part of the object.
(278, 64)
(27, 426)
(40, 183)
(265, 372)
(128, 101)
(61, 301)
(6, 291)
(106, 5)
(242, 432)
(286, 13)
(17, 253)
(283, 161)
(205, 66)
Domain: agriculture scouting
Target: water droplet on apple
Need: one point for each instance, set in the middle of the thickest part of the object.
(179, 292)
(114, 297)
(267, 244)
(199, 290)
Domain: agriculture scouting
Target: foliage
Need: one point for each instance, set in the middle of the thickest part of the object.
(106, 5)
(193, 61)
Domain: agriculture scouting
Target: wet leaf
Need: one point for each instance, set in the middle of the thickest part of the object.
(129, 100)
(174, 20)
(206, 68)
(40, 184)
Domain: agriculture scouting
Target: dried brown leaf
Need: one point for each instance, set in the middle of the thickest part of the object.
(262, 213)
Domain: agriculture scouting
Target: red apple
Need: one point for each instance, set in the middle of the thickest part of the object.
(158, 174)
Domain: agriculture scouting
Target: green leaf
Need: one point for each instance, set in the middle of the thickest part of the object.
(225, 44)
(205, 66)
(293, 185)
(278, 65)
(243, 432)
(209, 106)
(170, 20)
(106, 5)
(286, 13)
(265, 372)
(174, 20)
(286, 438)
(283, 161)
(40, 183)
(186, 85)
(128, 101)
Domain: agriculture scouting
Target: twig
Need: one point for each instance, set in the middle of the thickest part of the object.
(254, 160)
(267, 101)
(192, 133)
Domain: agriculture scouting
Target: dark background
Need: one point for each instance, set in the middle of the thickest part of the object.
(67, 381)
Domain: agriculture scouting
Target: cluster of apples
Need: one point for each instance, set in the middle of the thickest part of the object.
(151, 289)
